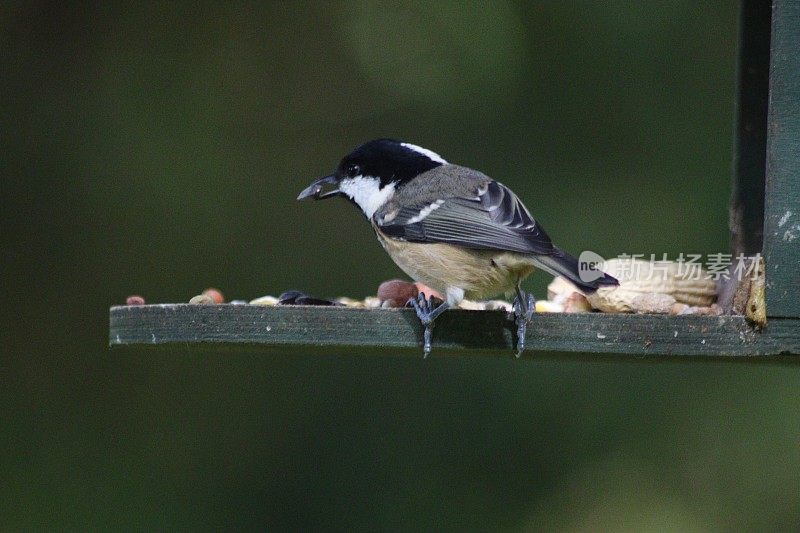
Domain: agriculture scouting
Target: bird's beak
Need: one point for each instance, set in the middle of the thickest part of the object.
(315, 189)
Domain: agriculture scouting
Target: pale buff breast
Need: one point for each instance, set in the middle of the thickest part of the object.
(479, 273)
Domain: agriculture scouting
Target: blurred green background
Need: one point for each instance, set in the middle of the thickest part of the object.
(158, 148)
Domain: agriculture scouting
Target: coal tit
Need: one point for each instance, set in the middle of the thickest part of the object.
(450, 227)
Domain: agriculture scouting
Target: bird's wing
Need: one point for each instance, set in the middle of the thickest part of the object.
(491, 219)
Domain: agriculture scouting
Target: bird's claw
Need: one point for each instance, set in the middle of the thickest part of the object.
(426, 314)
(524, 308)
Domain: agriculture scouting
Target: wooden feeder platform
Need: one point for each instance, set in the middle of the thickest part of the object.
(765, 220)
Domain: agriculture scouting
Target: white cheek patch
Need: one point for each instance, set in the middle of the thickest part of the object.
(426, 211)
(433, 156)
(367, 192)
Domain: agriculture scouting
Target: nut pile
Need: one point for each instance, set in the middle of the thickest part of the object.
(644, 287)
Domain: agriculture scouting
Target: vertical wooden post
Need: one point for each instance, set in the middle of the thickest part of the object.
(782, 207)
(750, 144)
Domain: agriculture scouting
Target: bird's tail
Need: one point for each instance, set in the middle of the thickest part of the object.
(562, 264)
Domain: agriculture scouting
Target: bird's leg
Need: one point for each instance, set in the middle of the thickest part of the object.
(427, 315)
(524, 307)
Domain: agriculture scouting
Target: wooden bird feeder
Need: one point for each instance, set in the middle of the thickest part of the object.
(765, 219)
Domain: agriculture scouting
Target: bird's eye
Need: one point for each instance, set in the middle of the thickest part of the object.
(353, 171)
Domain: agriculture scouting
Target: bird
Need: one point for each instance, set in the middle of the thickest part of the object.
(450, 227)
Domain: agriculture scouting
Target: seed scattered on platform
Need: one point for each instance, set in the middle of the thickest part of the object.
(421, 287)
(546, 306)
(215, 294)
(294, 297)
(577, 303)
(265, 300)
(396, 293)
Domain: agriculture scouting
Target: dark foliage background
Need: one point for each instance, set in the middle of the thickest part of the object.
(157, 148)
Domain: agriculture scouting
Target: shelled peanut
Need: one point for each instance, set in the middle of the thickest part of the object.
(647, 287)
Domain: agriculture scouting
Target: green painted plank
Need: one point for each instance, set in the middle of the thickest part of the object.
(462, 332)
(782, 208)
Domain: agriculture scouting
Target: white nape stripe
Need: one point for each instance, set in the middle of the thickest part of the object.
(425, 212)
(366, 191)
(433, 156)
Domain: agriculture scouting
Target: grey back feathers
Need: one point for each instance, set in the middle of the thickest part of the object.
(460, 206)
(443, 181)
